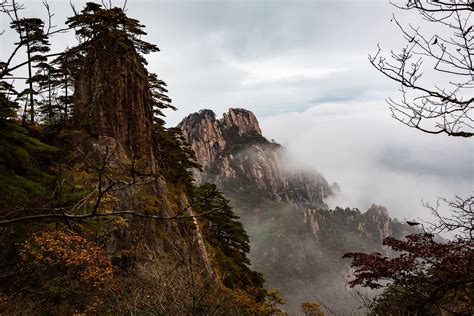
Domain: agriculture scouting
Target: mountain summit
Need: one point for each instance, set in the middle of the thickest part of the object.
(211, 137)
(233, 151)
(297, 242)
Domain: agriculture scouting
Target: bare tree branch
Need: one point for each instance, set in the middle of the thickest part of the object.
(424, 105)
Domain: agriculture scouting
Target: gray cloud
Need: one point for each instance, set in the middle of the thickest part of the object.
(374, 158)
(302, 67)
(413, 161)
(268, 56)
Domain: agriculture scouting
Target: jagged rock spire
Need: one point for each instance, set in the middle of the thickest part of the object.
(209, 136)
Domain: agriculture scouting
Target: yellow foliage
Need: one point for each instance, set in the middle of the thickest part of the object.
(311, 309)
(243, 299)
(70, 253)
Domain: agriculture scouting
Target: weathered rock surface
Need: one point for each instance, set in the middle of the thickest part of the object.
(113, 108)
(232, 149)
(112, 98)
(297, 243)
(205, 134)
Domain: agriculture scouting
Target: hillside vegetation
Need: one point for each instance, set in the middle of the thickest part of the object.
(99, 211)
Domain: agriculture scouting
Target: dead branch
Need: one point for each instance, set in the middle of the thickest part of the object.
(425, 106)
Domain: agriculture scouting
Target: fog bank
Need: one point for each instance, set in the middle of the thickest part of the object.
(374, 158)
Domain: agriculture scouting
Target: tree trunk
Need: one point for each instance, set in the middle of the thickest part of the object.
(32, 109)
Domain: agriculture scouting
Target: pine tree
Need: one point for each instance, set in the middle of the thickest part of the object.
(32, 36)
(160, 99)
(230, 241)
(8, 108)
(94, 22)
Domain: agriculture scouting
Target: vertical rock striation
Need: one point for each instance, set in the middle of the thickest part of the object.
(205, 134)
(113, 105)
(112, 99)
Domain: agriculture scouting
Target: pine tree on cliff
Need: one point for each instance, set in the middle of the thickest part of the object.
(115, 95)
(33, 37)
(94, 25)
(94, 22)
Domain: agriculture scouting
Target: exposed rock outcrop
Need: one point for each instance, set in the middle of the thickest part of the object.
(205, 134)
(233, 149)
(210, 137)
(113, 108)
(112, 98)
(378, 223)
(298, 243)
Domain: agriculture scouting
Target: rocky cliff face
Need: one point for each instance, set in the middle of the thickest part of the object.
(233, 151)
(211, 137)
(297, 243)
(113, 111)
(112, 99)
(368, 229)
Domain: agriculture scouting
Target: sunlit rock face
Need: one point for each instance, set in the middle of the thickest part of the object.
(233, 149)
(205, 134)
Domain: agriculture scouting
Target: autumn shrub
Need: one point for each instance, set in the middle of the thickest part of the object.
(60, 271)
(69, 252)
(426, 276)
(311, 309)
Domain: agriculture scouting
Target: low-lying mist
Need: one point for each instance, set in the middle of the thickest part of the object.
(298, 264)
(374, 158)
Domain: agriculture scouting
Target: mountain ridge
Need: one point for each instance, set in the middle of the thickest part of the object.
(234, 148)
(297, 242)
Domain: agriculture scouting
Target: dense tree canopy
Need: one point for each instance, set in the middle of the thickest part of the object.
(94, 22)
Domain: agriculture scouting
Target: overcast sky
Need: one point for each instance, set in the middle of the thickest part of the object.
(302, 67)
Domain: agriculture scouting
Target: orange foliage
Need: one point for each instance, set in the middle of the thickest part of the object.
(69, 253)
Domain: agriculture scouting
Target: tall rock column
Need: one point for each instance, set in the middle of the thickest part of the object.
(112, 99)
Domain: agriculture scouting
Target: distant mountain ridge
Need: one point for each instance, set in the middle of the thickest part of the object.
(232, 149)
(297, 242)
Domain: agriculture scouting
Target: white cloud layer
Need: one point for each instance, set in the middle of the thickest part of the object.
(374, 158)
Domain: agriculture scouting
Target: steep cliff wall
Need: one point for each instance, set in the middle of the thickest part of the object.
(234, 153)
(113, 111)
(297, 243)
(112, 99)
(117, 191)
